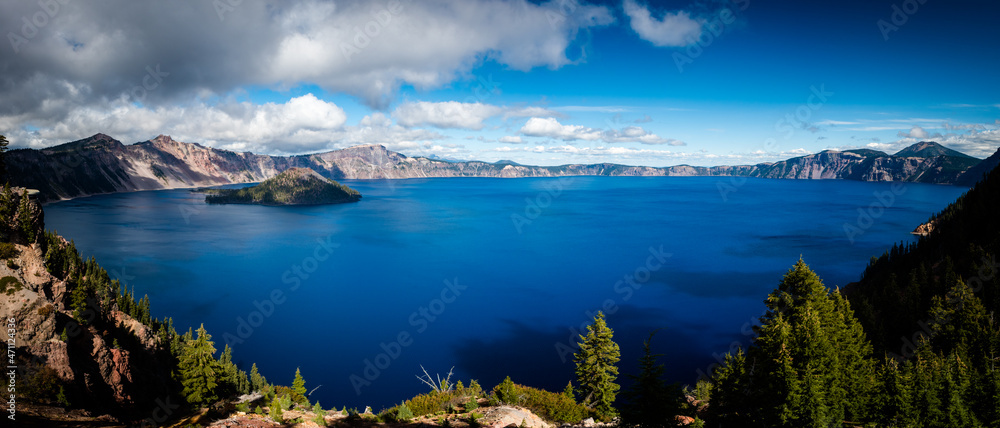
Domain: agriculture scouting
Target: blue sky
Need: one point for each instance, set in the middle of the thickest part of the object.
(647, 83)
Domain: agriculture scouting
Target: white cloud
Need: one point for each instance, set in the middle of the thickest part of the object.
(450, 114)
(551, 128)
(511, 139)
(639, 135)
(90, 53)
(672, 30)
(300, 124)
(532, 111)
(919, 133)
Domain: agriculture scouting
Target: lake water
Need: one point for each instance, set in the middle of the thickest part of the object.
(490, 276)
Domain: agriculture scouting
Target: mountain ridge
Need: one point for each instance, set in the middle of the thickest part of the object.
(101, 164)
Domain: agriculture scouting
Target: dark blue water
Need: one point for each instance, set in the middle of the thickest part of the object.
(490, 276)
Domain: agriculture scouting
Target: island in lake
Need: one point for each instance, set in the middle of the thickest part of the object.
(295, 186)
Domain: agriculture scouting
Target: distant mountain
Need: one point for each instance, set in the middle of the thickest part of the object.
(929, 149)
(976, 173)
(294, 186)
(101, 164)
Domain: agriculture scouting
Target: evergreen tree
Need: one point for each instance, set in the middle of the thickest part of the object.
(257, 381)
(24, 214)
(298, 386)
(731, 403)
(596, 367)
(199, 370)
(810, 363)
(651, 402)
(3, 158)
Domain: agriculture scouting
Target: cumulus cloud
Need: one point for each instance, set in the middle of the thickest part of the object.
(304, 124)
(156, 54)
(918, 133)
(551, 128)
(511, 139)
(672, 30)
(450, 114)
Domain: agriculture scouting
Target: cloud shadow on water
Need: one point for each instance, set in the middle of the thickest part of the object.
(529, 355)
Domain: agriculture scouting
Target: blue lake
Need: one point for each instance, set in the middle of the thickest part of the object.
(491, 276)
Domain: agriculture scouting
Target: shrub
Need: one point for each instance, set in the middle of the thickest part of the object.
(11, 265)
(243, 407)
(431, 402)
(276, 413)
(474, 419)
(7, 250)
(319, 420)
(400, 413)
(471, 405)
(10, 285)
(553, 406)
(46, 310)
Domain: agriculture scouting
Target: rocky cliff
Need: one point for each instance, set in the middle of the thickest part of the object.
(72, 346)
(101, 164)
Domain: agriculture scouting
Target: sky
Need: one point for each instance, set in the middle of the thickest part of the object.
(638, 82)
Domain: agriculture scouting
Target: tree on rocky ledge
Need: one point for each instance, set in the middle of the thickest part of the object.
(199, 370)
(3, 161)
(596, 367)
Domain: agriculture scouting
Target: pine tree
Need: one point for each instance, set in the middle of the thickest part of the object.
(731, 403)
(199, 370)
(3, 158)
(257, 381)
(810, 363)
(651, 402)
(298, 386)
(596, 367)
(24, 214)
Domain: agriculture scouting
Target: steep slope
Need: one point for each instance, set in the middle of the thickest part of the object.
(894, 297)
(77, 342)
(978, 172)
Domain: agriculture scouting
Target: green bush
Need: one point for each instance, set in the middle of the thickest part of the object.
(10, 285)
(7, 250)
(400, 413)
(549, 405)
(319, 420)
(276, 413)
(431, 402)
(471, 405)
